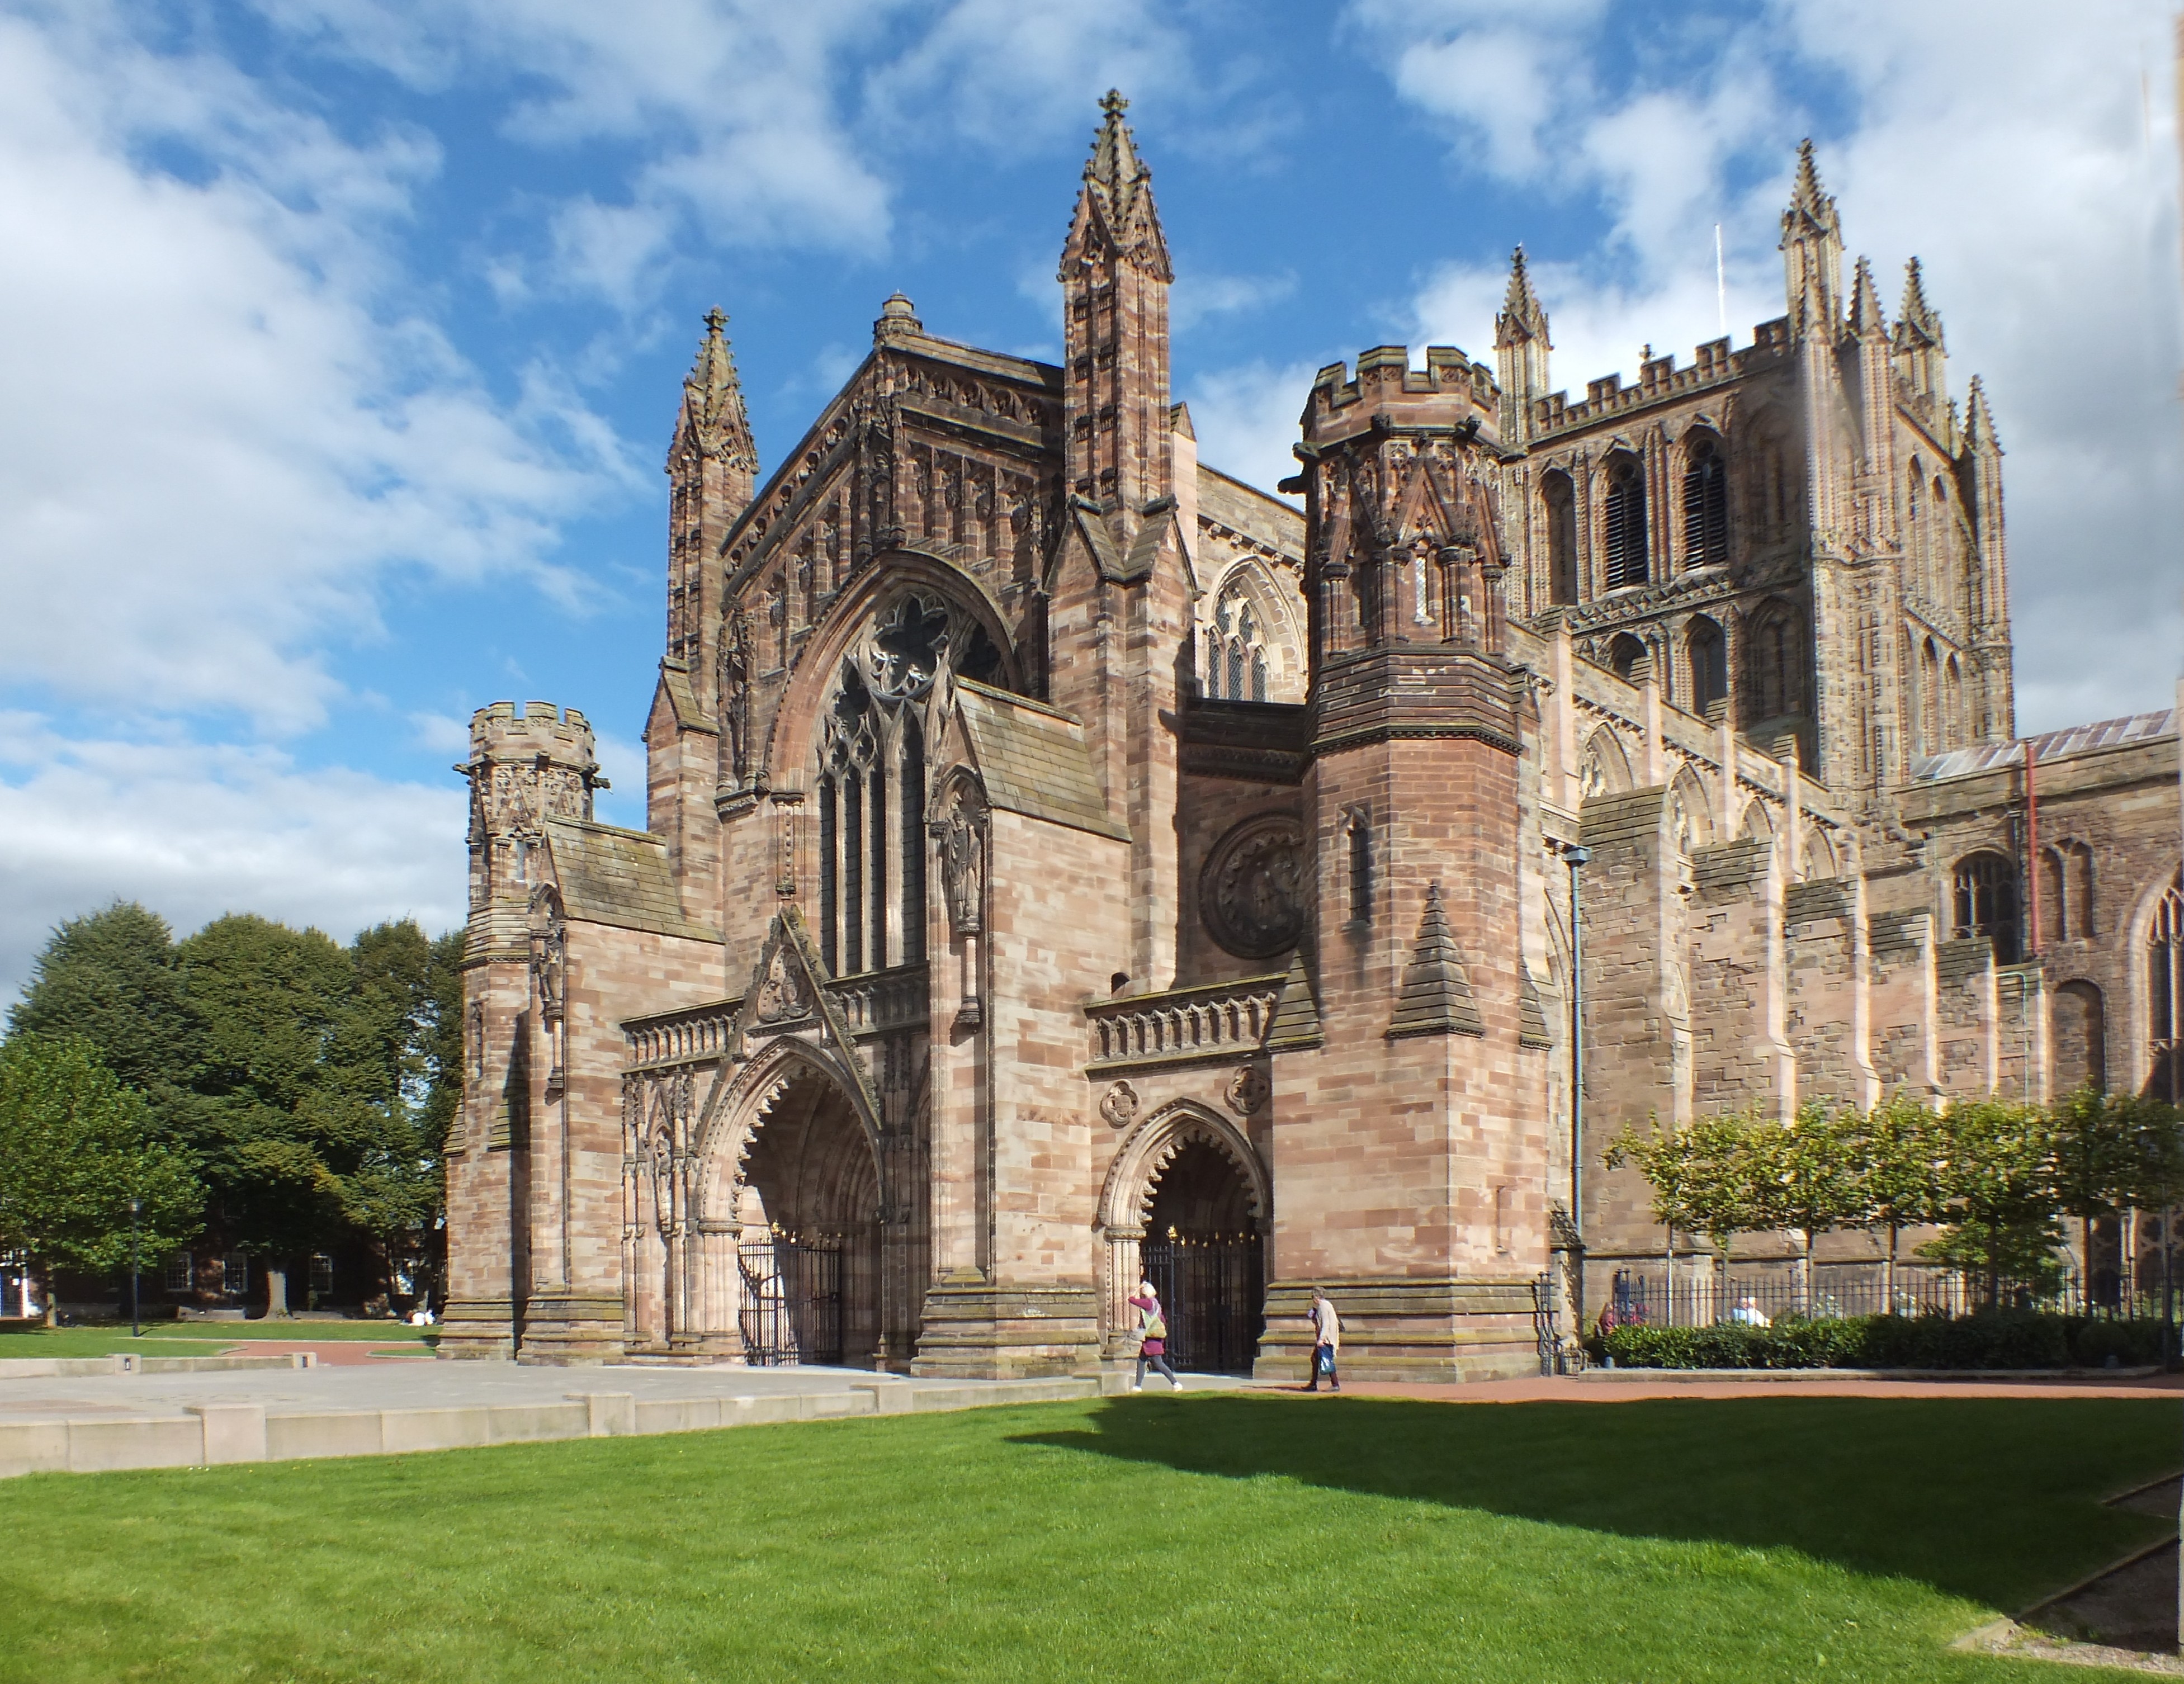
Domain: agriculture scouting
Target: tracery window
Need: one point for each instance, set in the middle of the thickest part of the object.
(1626, 523)
(1236, 651)
(2164, 994)
(1706, 503)
(1984, 901)
(872, 788)
(1560, 499)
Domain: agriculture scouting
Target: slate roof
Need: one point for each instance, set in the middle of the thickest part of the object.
(2077, 739)
(1033, 760)
(611, 876)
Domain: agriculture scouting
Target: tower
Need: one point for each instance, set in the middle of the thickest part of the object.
(526, 768)
(1119, 590)
(1115, 276)
(1427, 1090)
(1521, 346)
(712, 474)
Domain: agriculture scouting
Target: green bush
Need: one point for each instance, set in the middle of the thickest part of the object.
(1989, 1339)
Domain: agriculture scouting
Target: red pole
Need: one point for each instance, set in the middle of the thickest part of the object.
(2032, 841)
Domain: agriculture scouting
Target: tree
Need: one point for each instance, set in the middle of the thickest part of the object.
(269, 1002)
(2003, 1191)
(1701, 1175)
(76, 1147)
(1804, 1179)
(1900, 1152)
(110, 977)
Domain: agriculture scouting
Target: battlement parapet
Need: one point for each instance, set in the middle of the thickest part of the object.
(1448, 391)
(505, 731)
(1658, 379)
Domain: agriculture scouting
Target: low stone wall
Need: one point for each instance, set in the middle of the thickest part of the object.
(212, 1434)
(131, 1363)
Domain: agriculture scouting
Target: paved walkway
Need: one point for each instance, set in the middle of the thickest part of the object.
(1621, 1388)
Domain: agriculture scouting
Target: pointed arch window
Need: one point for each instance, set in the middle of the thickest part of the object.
(1706, 503)
(1559, 498)
(1236, 651)
(2164, 994)
(1626, 523)
(1708, 653)
(1984, 902)
(872, 788)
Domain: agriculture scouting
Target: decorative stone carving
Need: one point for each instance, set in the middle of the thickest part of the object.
(1119, 1105)
(963, 834)
(735, 692)
(782, 996)
(477, 1040)
(1250, 1091)
(1251, 894)
(908, 646)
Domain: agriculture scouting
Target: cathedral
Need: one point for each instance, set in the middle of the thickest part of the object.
(1065, 863)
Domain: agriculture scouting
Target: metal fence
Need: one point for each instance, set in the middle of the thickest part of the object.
(1696, 1294)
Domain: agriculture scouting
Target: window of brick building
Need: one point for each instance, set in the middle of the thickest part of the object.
(1706, 503)
(1560, 498)
(1626, 523)
(1984, 902)
(180, 1272)
(2164, 994)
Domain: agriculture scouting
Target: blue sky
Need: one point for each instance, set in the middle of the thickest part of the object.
(339, 340)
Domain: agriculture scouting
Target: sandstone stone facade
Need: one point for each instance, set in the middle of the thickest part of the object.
(1064, 862)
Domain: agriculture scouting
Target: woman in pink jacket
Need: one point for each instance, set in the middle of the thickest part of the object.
(1153, 1337)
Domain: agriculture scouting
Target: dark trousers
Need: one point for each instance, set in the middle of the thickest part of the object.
(1159, 1360)
(1333, 1384)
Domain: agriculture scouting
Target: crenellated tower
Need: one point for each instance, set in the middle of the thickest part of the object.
(1427, 1088)
(527, 766)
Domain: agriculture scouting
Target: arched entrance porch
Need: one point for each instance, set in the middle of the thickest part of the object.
(1185, 1207)
(804, 1218)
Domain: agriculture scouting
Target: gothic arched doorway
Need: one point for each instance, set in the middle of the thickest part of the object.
(805, 1231)
(1202, 1250)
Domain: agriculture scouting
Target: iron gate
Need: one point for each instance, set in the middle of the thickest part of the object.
(791, 1308)
(1214, 1294)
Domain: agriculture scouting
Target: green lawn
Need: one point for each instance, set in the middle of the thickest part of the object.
(199, 1338)
(1228, 1537)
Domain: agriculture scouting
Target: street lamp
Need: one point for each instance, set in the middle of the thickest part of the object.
(135, 1213)
(1576, 858)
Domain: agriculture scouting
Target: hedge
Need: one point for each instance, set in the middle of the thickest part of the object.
(1990, 1339)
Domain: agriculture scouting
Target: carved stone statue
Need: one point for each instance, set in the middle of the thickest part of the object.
(781, 996)
(963, 864)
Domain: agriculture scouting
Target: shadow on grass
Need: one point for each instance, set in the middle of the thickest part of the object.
(1996, 1500)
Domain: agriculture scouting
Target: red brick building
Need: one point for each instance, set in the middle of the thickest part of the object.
(1064, 862)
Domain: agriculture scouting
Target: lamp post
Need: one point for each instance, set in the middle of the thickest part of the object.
(136, 1213)
(1576, 858)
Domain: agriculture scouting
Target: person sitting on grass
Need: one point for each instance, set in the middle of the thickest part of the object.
(1153, 1337)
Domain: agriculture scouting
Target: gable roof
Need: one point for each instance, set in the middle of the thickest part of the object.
(611, 876)
(2076, 739)
(1033, 760)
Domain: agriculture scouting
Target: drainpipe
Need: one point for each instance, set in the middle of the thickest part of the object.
(2033, 844)
(1576, 858)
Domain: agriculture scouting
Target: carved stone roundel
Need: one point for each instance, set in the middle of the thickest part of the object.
(1251, 895)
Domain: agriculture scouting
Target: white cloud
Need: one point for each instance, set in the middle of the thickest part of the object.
(193, 832)
(2011, 151)
(1247, 420)
(219, 439)
(1197, 295)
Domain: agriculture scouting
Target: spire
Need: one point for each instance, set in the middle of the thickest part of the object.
(1116, 203)
(713, 412)
(1522, 313)
(1917, 312)
(1437, 996)
(1866, 318)
(1979, 438)
(1807, 196)
(1812, 254)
